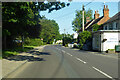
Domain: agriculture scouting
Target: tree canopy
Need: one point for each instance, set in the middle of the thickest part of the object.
(49, 30)
(23, 18)
(77, 22)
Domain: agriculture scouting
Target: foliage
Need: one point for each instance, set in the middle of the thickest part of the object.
(66, 45)
(96, 27)
(83, 37)
(15, 51)
(33, 42)
(67, 38)
(77, 22)
(111, 49)
(22, 19)
(49, 31)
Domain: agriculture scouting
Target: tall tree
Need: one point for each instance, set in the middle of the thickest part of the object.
(77, 22)
(49, 31)
(21, 18)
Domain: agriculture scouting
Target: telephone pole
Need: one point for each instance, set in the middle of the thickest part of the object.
(83, 18)
(64, 38)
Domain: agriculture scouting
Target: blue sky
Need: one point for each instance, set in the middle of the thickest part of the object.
(65, 16)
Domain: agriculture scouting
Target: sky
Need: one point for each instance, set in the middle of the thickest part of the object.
(65, 16)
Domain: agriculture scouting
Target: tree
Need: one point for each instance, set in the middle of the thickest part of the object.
(21, 18)
(83, 37)
(95, 27)
(77, 22)
(49, 31)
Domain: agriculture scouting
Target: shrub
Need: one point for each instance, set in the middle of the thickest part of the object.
(83, 37)
(33, 42)
(66, 45)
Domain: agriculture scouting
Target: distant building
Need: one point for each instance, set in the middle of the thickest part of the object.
(75, 35)
(59, 41)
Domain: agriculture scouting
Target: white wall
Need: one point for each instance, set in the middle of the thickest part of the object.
(112, 37)
(112, 40)
(75, 35)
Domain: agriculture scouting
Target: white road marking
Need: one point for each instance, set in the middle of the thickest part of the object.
(103, 73)
(63, 51)
(69, 54)
(81, 60)
(57, 48)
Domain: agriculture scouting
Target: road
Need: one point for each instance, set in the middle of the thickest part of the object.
(60, 62)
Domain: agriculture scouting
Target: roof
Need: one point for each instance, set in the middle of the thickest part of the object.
(94, 22)
(115, 17)
(89, 24)
(101, 31)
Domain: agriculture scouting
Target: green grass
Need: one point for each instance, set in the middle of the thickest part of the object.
(0, 57)
(111, 49)
(15, 51)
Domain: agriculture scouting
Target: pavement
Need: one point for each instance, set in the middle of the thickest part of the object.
(54, 61)
(13, 63)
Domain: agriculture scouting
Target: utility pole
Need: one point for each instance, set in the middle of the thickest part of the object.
(64, 32)
(64, 38)
(83, 18)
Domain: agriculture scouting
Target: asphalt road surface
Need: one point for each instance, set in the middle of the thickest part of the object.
(60, 62)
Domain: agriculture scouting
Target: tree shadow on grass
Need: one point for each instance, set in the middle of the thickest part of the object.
(23, 58)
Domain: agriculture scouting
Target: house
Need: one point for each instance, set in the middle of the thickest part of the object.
(59, 41)
(113, 23)
(109, 37)
(75, 35)
(97, 19)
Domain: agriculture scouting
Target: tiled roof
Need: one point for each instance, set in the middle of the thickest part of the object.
(95, 22)
(115, 17)
(89, 24)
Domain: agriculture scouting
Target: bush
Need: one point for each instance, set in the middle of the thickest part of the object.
(33, 42)
(66, 45)
(75, 46)
(83, 37)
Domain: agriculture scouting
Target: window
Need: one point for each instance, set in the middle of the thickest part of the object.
(110, 26)
(105, 28)
(116, 25)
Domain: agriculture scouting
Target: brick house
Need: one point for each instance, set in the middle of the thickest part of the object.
(113, 23)
(97, 20)
(109, 37)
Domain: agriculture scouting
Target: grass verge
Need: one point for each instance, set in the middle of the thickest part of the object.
(15, 51)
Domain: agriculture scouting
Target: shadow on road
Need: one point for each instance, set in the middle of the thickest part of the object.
(22, 58)
(39, 53)
(27, 57)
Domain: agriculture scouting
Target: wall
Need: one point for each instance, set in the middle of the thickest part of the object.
(112, 37)
(114, 23)
(112, 40)
(96, 41)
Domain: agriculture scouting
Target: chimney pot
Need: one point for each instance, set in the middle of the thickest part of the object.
(106, 11)
(107, 6)
(96, 15)
(104, 6)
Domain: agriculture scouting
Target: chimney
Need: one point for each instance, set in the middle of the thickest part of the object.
(106, 11)
(96, 15)
(87, 19)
